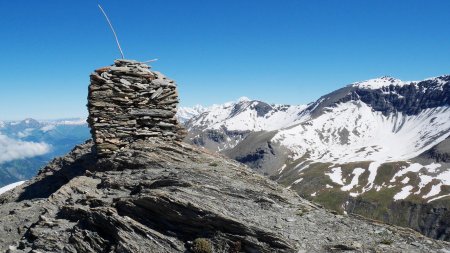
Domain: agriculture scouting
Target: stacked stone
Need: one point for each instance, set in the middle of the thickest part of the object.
(128, 102)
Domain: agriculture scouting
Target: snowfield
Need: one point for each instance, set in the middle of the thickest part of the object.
(353, 132)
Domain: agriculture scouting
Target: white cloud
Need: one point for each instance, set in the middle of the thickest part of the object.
(48, 128)
(11, 149)
(25, 133)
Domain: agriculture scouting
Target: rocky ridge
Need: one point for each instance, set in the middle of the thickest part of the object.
(159, 194)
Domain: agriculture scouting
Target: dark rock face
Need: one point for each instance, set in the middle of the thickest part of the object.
(262, 109)
(259, 154)
(127, 102)
(215, 139)
(409, 99)
(439, 153)
(432, 220)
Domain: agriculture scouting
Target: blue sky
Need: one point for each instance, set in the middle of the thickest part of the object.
(288, 51)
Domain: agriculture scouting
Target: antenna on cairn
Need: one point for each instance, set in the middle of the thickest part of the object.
(112, 29)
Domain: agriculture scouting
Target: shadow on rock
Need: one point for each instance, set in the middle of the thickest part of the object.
(50, 179)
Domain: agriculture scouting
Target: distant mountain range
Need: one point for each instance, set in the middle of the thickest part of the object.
(27, 145)
(222, 127)
(378, 147)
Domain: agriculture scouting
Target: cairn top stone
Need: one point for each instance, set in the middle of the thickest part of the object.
(126, 61)
(128, 102)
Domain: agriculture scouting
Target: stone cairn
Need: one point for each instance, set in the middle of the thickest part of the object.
(128, 102)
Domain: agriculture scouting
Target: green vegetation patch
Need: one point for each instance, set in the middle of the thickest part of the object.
(332, 199)
(314, 179)
(202, 245)
(387, 171)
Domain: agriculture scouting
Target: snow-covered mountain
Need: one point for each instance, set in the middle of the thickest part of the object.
(383, 142)
(248, 115)
(353, 131)
(186, 113)
(221, 127)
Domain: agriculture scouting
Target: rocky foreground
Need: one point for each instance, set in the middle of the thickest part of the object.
(158, 196)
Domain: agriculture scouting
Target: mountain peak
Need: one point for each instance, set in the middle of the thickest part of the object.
(385, 81)
(439, 80)
(244, 99)
(378, 83)
(29, 121)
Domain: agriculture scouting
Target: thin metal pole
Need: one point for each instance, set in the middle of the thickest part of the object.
(112, 29)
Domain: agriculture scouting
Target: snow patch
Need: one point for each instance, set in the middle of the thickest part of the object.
(415, 167)
(10, 186)
(282, 169)
(336, 175)
(373, 168)
(356, 173)
(404, 193)
(440, 197)
(435, 190)
(405, 180)
(297, 181)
